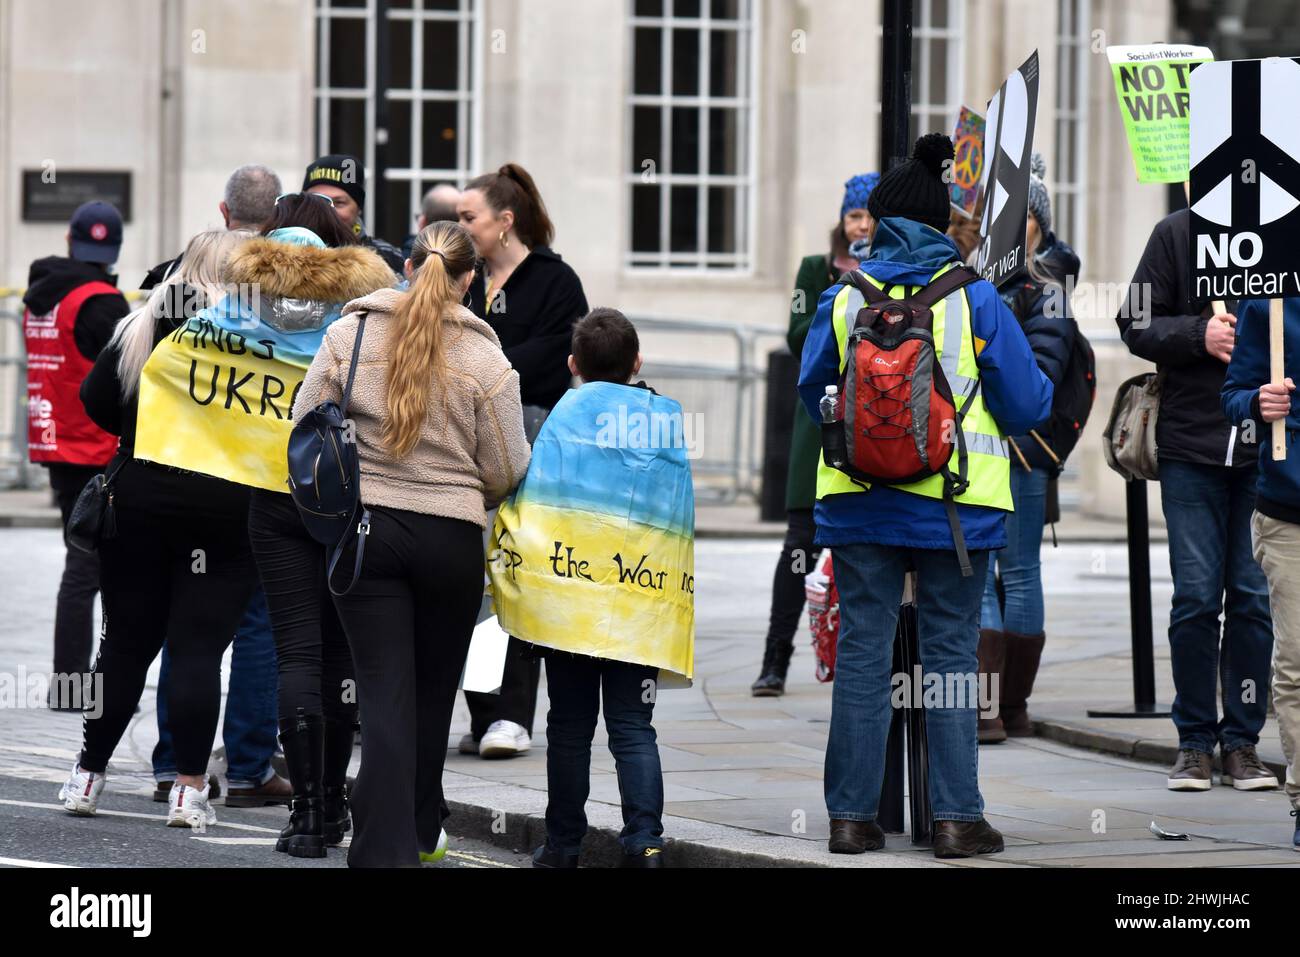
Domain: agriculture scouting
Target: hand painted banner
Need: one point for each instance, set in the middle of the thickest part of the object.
(216, 396)
(968, 161)
(595, 554)
(1151, 83)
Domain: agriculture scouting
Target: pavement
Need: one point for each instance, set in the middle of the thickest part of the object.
(742, 776)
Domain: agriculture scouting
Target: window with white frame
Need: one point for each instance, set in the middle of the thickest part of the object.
(937, 44)
(1068, 175)
(691, 126)
(430, 83)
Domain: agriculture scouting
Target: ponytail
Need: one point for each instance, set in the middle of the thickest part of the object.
(441, 255)
(511, 187)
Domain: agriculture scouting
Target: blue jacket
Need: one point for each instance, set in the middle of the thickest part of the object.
(1017, 394)
(1279, 482)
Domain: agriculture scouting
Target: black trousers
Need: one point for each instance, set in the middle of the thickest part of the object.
(179, 570)
(74, 626)
(798, 555)
(517, 701)
(315, 663)
(409, 620)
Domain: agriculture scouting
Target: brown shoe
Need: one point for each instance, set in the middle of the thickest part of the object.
(966, 838)
(1243, 769)
(276, 790)
(992, 654)
(855, 837)
(1191, 772)
(1024, 652)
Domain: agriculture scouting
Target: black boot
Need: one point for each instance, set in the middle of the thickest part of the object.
(776, 662)
(303, 741)
(338, 752)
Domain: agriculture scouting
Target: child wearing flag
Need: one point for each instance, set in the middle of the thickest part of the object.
(592, 562)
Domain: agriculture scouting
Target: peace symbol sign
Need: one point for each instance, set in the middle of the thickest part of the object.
(968, 161)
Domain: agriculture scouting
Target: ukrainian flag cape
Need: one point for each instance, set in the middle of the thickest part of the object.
(595, 552)
(216, 395)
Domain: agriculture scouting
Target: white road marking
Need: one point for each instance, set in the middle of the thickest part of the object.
(19, 862)
(160, 817)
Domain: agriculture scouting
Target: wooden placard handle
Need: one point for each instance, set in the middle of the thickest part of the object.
(1277, 372)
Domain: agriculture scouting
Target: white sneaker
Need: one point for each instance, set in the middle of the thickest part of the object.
(467, 745)
(504, 739)
(190, 807)
(80, 793)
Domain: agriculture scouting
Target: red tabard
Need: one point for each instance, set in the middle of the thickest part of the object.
(58, 429)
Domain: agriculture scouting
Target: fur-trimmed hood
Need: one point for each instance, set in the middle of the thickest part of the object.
(322, 274)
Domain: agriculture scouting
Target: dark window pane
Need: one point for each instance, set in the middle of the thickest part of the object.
(399, 4)
(344, 3)
(723, 60)
(347, 43)
(686, 62)
(939, 13)
(439, 136)
(645, 219)
(393, 217)
(647, 138)
(938, 71)
(399, 55)
(647, 72)
(724, 142)
(726, 9)
(348, 127)
(399, 133)
(722, 219)
(649, 8)
(686, 8)
(686, 140)
(441, 53)
(685, 229)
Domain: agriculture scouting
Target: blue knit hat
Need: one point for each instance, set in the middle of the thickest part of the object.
(856, 191)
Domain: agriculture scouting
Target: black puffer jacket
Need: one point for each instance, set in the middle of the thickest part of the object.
(1044, 313)
(1191, 426)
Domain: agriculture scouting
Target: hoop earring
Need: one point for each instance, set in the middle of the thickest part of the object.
(503, 239)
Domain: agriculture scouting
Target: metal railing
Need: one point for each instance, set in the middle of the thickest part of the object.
(15, 470)
(725, 399)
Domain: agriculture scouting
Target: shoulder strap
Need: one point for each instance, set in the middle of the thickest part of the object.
(943, 286)
(352, 368)
(870, 293)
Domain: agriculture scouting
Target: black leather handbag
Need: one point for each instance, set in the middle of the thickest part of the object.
(92, 520)
(325, 476)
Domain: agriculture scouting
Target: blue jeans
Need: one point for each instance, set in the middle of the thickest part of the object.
(1022, 571)
(870, 583)
(575, 684)
(1207, 510)
(250, 727)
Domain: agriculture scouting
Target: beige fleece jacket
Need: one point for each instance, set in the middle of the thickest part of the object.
(468, 458)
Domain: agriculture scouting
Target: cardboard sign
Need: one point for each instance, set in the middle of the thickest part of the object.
(1245, 179)
(968, 161)
(485, 662)
(1151, 84)
(1010, 129)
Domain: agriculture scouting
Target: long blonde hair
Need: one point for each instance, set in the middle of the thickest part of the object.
(200, 268)
(441, 256)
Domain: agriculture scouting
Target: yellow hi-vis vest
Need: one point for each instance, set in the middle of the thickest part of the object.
(988, 465)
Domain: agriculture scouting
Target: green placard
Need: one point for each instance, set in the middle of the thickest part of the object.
(1151, 85)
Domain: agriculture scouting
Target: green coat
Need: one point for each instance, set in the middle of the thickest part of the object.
(814, 278)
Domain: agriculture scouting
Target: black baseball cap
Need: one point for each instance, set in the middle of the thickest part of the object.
(95, 233)
(341, 170)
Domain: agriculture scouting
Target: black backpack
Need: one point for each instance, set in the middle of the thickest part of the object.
(325, 476)
(1073, 395)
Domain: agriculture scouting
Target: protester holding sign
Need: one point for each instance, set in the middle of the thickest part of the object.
(798, 553)
(439, 433)
(1249, 396)
(880, 531)
(178, 568)
(1011, 632)
(1207, 490)
(593, 560)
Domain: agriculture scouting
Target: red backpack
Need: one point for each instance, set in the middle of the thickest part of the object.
(895, 421)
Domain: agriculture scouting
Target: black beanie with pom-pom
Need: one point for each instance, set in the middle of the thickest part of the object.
(915, 189)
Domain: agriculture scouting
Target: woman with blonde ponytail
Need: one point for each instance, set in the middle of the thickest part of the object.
(439, 432)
